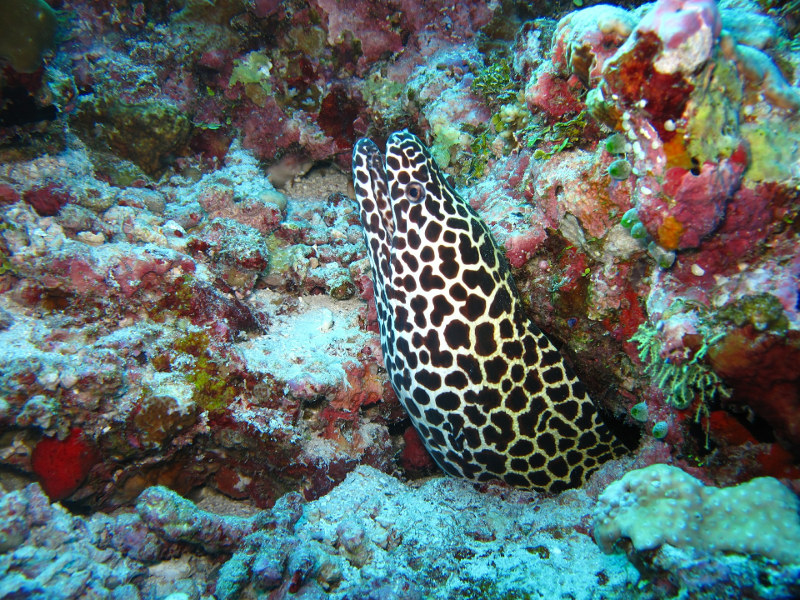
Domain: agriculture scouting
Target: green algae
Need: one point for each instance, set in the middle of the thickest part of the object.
(285, 260)
(495, 82)
(254, 72)
(149, 134)
(773, 149)
(486, 588)
(640, 412)
(480, 154)
(660, 430)
(630, 218)
(214, 386)
(713, 125)
(5, 262)
(561, 136)
(638, 231)
(620, 170)
(385, 95)
(615, 144)
(764, 312)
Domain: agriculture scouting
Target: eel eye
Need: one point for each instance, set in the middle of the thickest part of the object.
(415, 192)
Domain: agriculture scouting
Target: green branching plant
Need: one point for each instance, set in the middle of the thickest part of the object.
(562, 136)
(682, 382)
(496, 83)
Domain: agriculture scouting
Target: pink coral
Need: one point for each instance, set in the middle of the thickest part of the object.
(672, 41)
(585, 39)
(692, 204)
(691, 26)
(554, 95)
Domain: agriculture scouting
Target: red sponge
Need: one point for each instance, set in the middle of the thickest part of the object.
(62, 465)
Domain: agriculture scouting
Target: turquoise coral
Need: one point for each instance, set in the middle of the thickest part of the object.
(662, 504)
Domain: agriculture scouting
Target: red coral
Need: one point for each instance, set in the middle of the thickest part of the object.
(8, 195)
(762, 370)
(647, 67)
(62, 465)
(232, 483)
(267, 130)
(220, 203)
(693, 204)
(751, 216)
(265, 8)
(48, 200)
(629, 317)
(778, 462)
(368, 22)
(364, 388)
(520, 248)
(337, 114)
(727, 428)
(633, 77)
(555, 95)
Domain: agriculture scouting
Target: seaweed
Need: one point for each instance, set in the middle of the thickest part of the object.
(562, 136)
(495, 82)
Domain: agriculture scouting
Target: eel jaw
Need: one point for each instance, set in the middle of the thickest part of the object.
(372, 189)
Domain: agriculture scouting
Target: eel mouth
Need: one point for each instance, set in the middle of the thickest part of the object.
(374, 162)
(371, 184)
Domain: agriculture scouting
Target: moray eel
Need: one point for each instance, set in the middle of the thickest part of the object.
(488, 393)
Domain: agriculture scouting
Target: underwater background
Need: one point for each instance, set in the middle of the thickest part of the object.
(193, 399)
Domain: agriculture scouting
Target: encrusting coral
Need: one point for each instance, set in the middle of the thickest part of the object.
(662, 504)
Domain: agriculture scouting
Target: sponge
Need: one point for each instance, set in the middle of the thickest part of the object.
(29, 29)
(662, 504)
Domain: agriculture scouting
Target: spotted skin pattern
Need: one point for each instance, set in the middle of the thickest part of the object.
(487, 391)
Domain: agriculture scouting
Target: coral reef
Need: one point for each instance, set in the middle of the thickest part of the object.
(368, 537)
(188, 327)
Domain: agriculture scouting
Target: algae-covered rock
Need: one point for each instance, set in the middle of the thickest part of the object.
(149, 134)
(162, 417)
(773, 147)
(29, 29)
